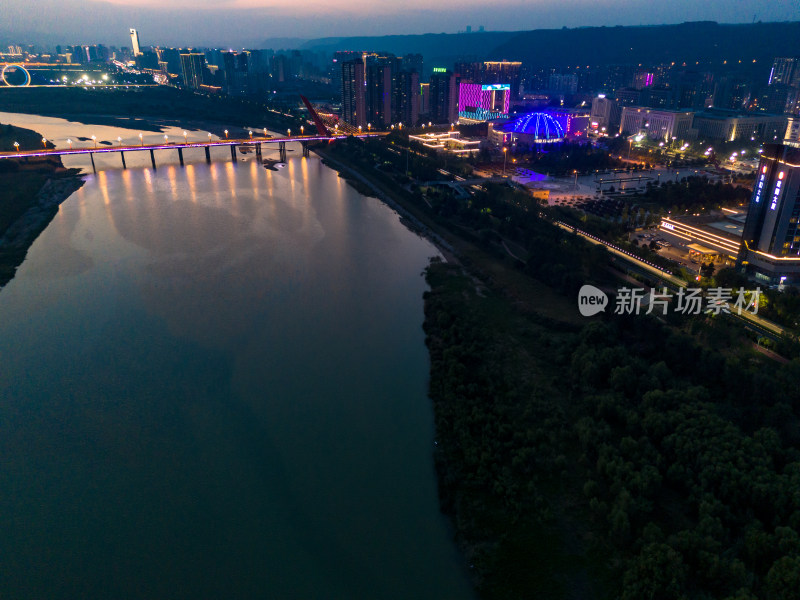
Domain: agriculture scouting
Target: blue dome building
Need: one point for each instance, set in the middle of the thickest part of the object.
(534, 128)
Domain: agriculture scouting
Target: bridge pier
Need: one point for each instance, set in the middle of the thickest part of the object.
(180, 155)
(305, 150)
(94, 169)
(153, 159)
(282, 151)
(233, 153)
(208, 154)
(122, 155)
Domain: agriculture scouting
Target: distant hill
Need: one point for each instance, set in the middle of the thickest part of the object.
(592, 45)
(687, 42)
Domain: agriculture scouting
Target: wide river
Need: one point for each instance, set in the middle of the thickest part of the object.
(213, 385)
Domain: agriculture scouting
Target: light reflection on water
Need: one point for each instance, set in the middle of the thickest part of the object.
(213, 385)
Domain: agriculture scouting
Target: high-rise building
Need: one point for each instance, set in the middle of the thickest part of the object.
(771, 240)
(379, 95)
(353, 93)
(443, 97)
(605, 115)
(193, 65)
(785, 71)
(406, 98)
(135, 43)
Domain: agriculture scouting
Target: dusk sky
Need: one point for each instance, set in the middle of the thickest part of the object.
(248, 22)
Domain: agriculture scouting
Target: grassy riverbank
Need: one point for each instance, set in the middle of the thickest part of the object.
(612, 457)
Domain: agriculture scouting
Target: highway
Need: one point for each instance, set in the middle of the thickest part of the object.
(753, 321)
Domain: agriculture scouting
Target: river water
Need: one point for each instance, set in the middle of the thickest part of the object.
(213, 385)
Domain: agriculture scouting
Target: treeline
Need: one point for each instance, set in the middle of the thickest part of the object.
(694, 192)
(625, 460)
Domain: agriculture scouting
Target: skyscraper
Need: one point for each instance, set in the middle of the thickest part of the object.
(193, 65)
(379, 95)
(771, 240)
(353, 97)
(443, 97)
(406, 98)
(135, 43)
(785, 71)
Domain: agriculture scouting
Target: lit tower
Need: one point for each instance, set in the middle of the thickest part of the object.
(135, 42)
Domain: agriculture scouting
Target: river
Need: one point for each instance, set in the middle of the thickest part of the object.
(213, 385)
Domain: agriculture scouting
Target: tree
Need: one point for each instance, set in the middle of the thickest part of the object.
(783, 579)
(657, 573)
(707, 270)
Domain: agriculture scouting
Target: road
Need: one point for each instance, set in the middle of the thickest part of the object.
(755, 322)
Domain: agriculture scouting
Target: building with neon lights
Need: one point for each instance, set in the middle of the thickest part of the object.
(771, 241)
(483, 101)
(533, 128)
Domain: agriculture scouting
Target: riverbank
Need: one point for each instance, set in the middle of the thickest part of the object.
(30, 193)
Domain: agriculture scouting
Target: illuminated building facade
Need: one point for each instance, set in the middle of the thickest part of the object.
(771, 240)
(135, 43)
(193, 65)
(656, 124)
(483, 101)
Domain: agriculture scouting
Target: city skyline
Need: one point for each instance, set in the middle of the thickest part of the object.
(251, 22)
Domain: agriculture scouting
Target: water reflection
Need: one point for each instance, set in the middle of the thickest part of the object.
(214, 385)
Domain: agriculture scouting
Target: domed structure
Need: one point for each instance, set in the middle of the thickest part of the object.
(537, 127)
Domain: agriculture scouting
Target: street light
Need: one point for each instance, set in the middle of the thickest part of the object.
(251, 134)
(119, 140)
(70, 144)
(302, 129)
(16, 146)
(209, 137)
(265, 132)
(94, 139)
(166, 137)
(359, 130)
(505, 156)
(369, 126)
(226, 134)
(185, 138)
(141, 139)
(289, 132)
(44, 143)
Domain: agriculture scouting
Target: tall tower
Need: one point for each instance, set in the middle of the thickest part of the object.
(353, 93)
(135, 43)
(771, 238)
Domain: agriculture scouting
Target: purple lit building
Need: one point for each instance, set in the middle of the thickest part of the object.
(482, 102)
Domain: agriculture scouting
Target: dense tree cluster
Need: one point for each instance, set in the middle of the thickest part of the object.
(677, 464)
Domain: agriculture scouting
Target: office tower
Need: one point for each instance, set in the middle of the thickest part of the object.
(443, 97)
(135, 43)
(771, 240)
(605, 115)
(503, 71)
(785, 71)
(193, 65)
(406, 97)
(353, 97)
(379, 95)
(236, 72)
